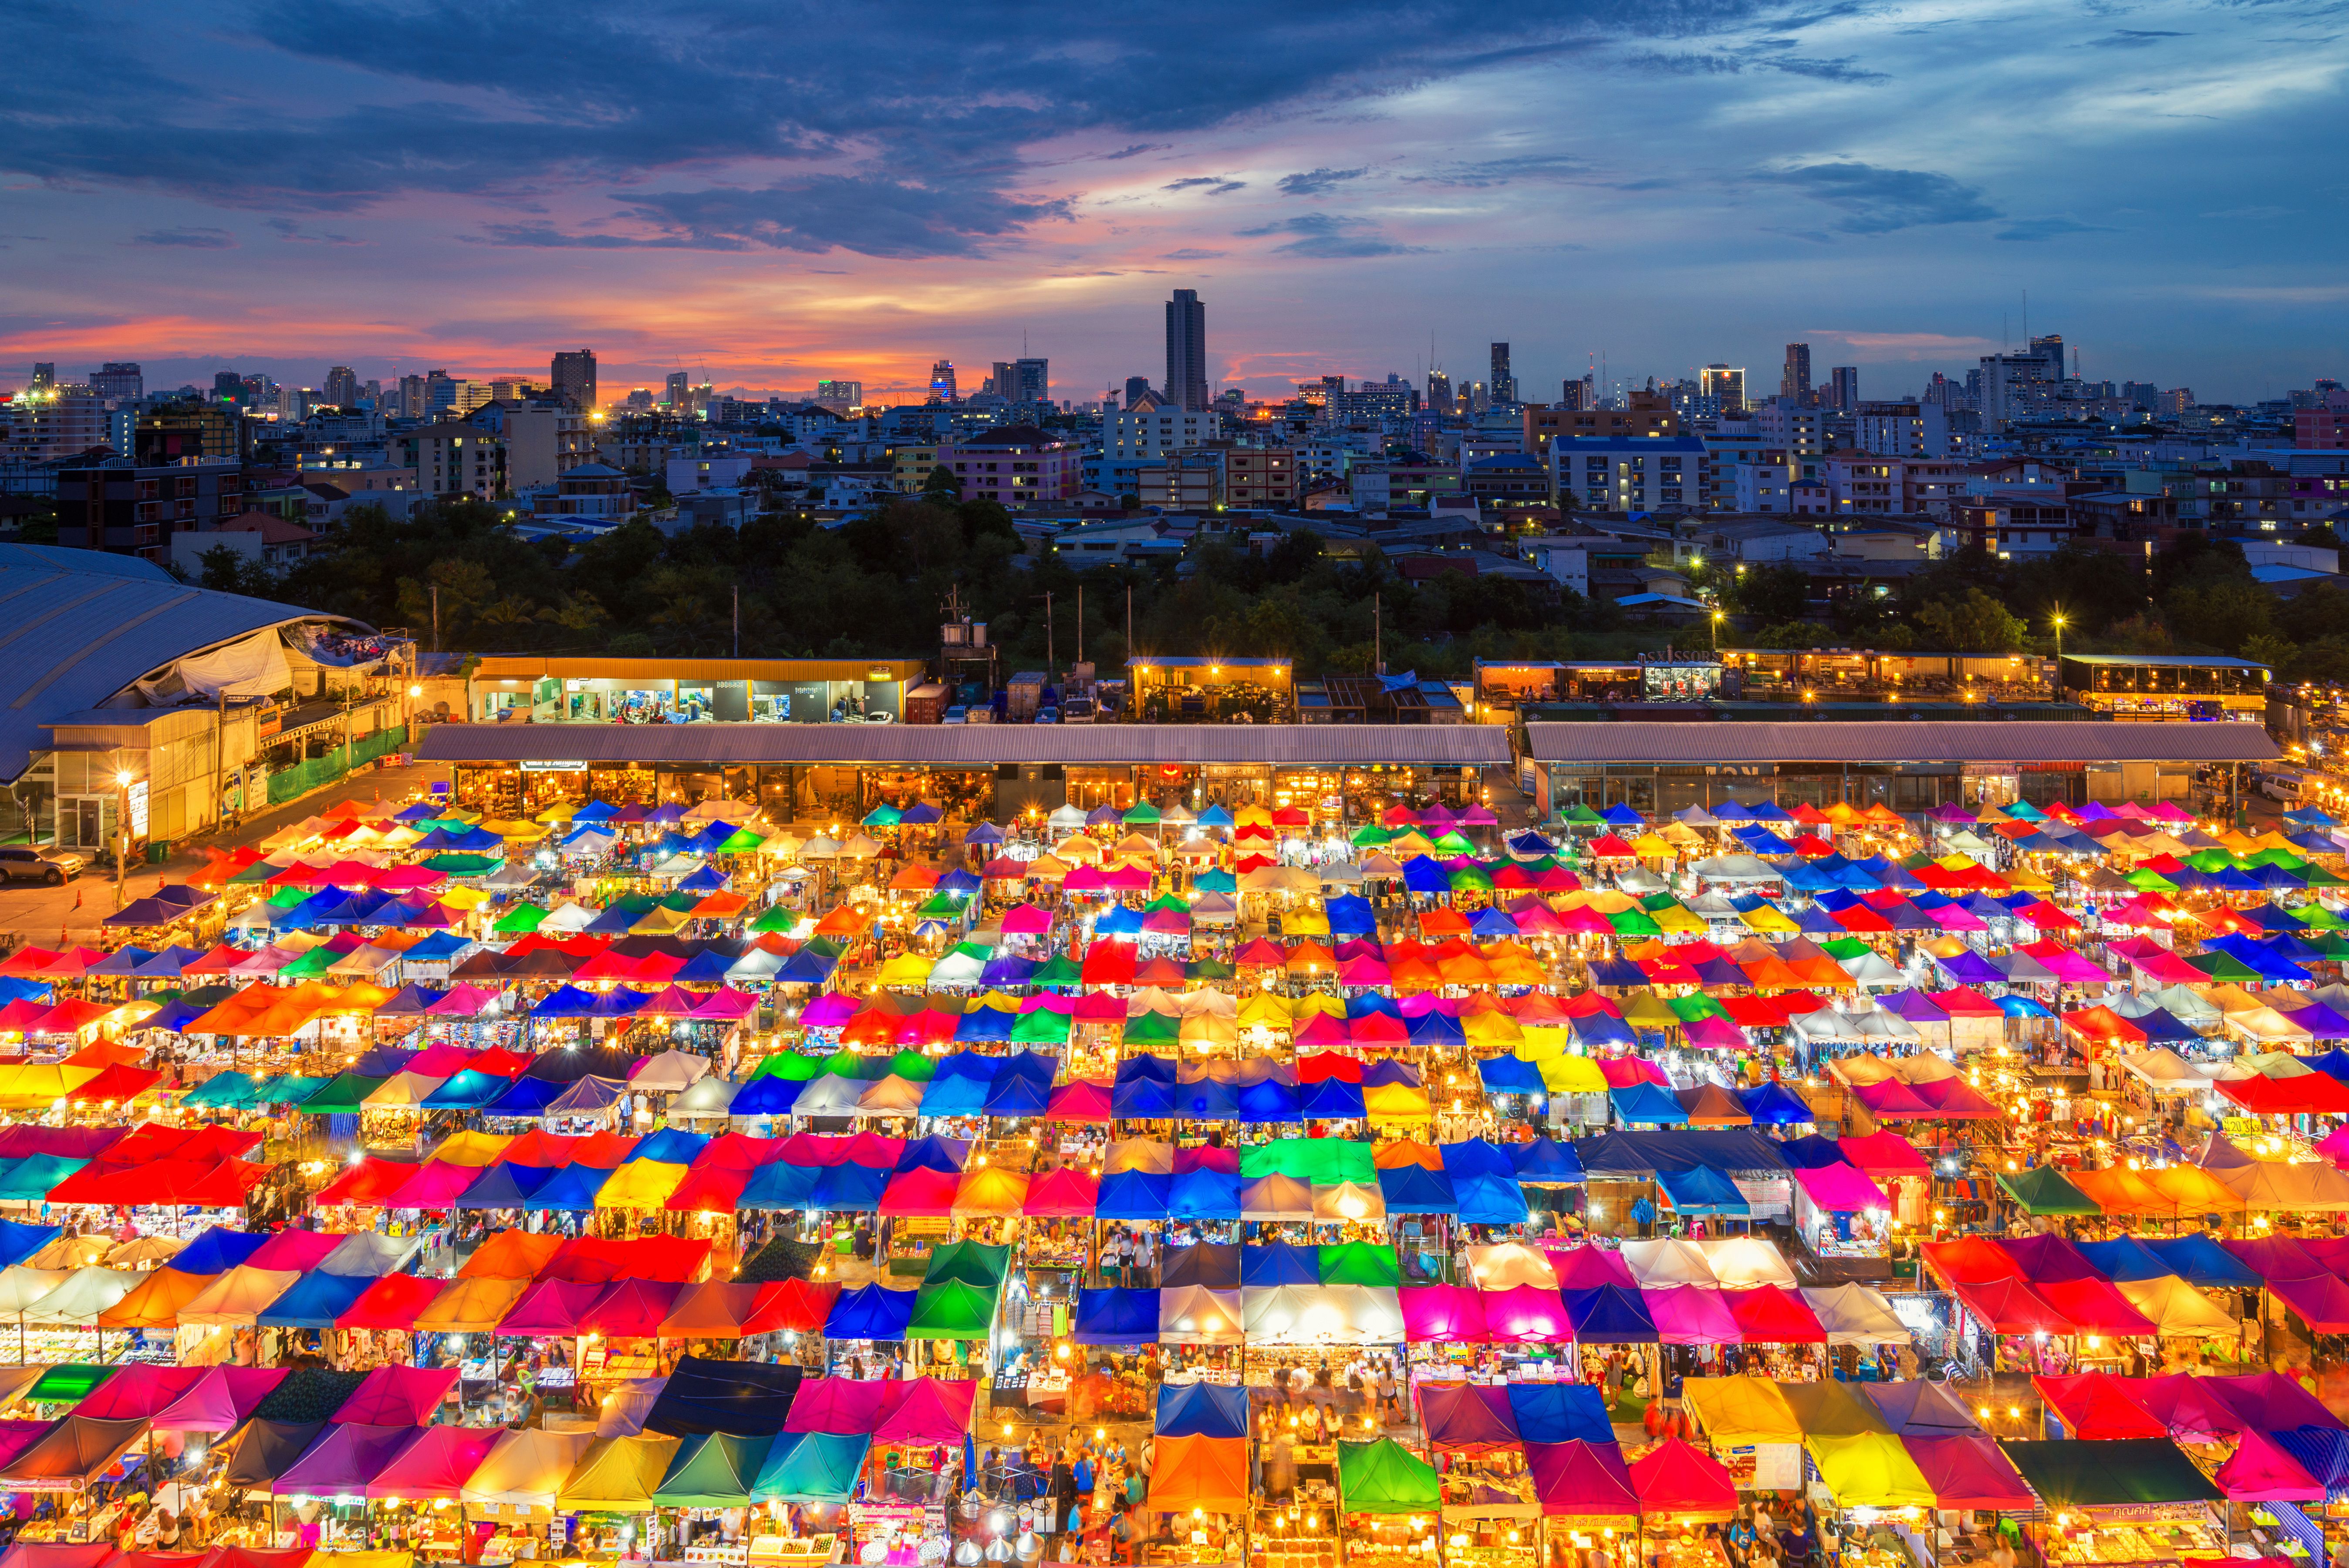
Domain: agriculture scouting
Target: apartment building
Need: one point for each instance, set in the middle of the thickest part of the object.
(452, 458)
(1865, 483)
(135, 510)
(1153, 428)
(1260, 477)
(1628, 473)
(1644, 414)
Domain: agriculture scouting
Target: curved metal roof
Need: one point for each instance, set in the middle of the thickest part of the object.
(77, 626)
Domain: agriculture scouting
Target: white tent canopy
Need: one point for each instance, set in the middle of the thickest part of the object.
(82, 1295)
(1855, 1314)
(1743, 1263)
(672, 1070)
(1737, 868)
(1321, 1315)
(1193, 1314)
(526, 1469)
(1510, 1265)
(1664, 1262)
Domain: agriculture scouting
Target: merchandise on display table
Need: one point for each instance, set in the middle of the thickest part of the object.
(2082, 1539)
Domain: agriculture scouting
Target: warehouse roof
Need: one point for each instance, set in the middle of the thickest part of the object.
(1869, 740)
(973, 745)
(77, 627)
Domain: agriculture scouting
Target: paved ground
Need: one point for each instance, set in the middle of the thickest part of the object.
(46, 915)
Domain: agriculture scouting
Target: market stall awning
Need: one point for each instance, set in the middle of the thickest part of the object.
(2072, 1473)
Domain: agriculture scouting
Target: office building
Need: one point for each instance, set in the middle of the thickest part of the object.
(1903, 429)
(1438, 392)
(1186, 350)
(342, 389)
(1726, 386)
(942, 383)
(1138, 388)
(1260, 477)
(1644, 414)
(1504, 384)
(1628, 473)
(118, 379)
(1794, 376)
(1843, 387)
(1017, 464)
(1153, 428)
(177, 431)
(1578, 395)
(45, 375)
(839, 397)
(573, 377)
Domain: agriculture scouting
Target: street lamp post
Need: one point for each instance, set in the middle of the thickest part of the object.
(2058, 621)
(1717, 630)
(121, 833)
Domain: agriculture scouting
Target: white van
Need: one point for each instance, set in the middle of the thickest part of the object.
(2283, 784)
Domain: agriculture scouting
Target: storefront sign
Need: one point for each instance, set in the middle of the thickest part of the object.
(555, 767)
(137, 795)
(879, 673)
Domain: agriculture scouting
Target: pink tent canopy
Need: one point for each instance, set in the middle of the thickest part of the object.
(1527, 1315)
(1587, 1268)
(462, 1000)
(220, 1400)
(828, 1011)
(845, 1407)
(1027, 920)
(436, 1464)
(725, 1004)
(632, 1308)
(442, 1059)
(1882, 1153)
(934, 1410)
(398, 1395)
(1436, 1313)
(300, 1251)
(1969, 1471)
(2261, 1472)
(550, 1308)
(436, 1185)
(1842, 1189)
(1079, 1099)
(1674, 1478)
(137, 1391)
(1467, 1417)
(1067, 1193)
(1717, 1033)
(1690, 1314)
(1581, 1480)
(2271, 1402)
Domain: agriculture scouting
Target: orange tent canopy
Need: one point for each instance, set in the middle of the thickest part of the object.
(1210, 1473)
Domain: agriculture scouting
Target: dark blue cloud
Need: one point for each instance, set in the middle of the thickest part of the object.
(1882, 200)
(2132, 38)
(1481, 172)
(1325, 237)
(1314, 182)
(192, 239)
(362, 101)
(2033, 228)
(1213, 184)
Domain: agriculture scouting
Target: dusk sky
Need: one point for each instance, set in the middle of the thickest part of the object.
(776, 194)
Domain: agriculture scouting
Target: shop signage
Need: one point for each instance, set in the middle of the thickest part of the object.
(555, 767)
(879, 673)
(137, 795)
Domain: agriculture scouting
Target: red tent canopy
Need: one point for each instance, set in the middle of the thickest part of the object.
(2097, 1405)
(1675, 1479)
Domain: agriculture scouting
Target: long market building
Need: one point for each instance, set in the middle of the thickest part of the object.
(1000, 772)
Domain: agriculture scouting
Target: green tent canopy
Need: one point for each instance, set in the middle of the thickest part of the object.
(1043, 1027)
(1688, 1010)
(1371, 837)
(1635, 923)
(884, 816)
(1360, 1263)
(1384, 1477)
(1454, 843)
(1148, 1028)
(456, 863)
(1207, 969)
(289, 1090)
(2043, 1190)
(1061, 969)
(1472, 879)
(1844, 947)
(713, 1470)
(913, 1067)
(2225, 966)
(341, 1096)
(1143, 815)
(520, 921)
(2113, 1473)
(810, 1467)
(952, 1310)
(1581, 816)
(971, 1262)
(776, 917)
(742, 841)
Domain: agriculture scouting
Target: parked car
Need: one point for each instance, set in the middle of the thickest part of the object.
(23, 862)
(1047, 715)
(953, 716)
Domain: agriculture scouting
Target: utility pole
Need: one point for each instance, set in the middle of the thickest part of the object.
(1080, 597)
(436, 617)
(219, 756)
(1048, 636)
(1378, 650)
(738, 619)
(121, 832)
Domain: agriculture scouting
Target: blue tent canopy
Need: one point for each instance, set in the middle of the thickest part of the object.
(1203, 1195)
(1416, 1190)
(934, 1153)
(572, 1189)
(1560, 1413)
(1775, 1105)
(468, 1090)
(768, 1095)
(1701, 1190)
(1646, 1102)
(1116, 1316)
(1202, 1100)
(1489, 1200)
(314, 1301)
(1477, 1157)
(19, 1242)
(848, 1190)
(525, 1097)
(217, 1250)
(1547, 1160)
(1134, 1195)
(1376, 1074)
(1203, 1410)
(781, 1186)
(506, 1186)
(1278, 1262)
(2125, 1259)
(1510, 1075)
(2200, 1261)
(1613, 972)
(951, 1094)
(1014, 1093)
(870, 1312)
(1425, 875)
(1270, 1101)
(1610, 1314)
(2322, 1452)
(1351, 914)
(1436, 1029)
(1331, 1100)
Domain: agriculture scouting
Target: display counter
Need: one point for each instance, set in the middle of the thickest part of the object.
(2094, 1537)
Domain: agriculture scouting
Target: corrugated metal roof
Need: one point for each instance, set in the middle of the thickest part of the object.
(971, 746)
(77, 626)
(1936, 740)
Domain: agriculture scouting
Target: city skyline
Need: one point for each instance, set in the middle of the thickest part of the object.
(282, 192)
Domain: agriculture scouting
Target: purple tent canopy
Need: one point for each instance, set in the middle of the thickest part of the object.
(1971, 968)
(347, 1459)
(1913, 1005)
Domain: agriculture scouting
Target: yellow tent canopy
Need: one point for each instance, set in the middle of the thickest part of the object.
(618, 1475)
(471, 1306)
(1571, 1075)
(989, 1190)
(1396, 1102)
(906, 969)
(2178, 1309)
(1870, 1470)
(473, 1149)
(1741, 1410)
(641, 1184)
